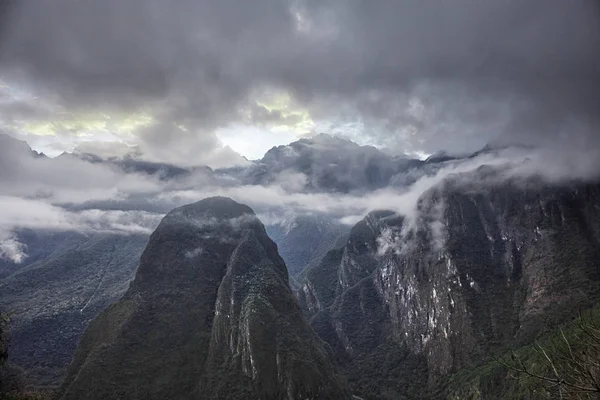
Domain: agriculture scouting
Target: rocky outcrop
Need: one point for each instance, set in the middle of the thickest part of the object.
(478, 271)
(209, 315)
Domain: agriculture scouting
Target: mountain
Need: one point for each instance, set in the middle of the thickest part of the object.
(13, 148)
(406, 307)
(305, 239)
(46, 292)
(330, 164)
(51, 301)
(480, 271)
(45, 300)
(209, 315)
(132, 165)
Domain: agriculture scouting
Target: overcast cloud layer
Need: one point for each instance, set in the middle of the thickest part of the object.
(408, 75)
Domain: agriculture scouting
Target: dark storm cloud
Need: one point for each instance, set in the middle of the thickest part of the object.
(126, 52)
(478, 68)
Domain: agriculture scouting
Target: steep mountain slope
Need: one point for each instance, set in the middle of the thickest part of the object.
(47, 323)
(484, 270)
(45, 301)
(304, 240)
(51, 301)
(209, 315)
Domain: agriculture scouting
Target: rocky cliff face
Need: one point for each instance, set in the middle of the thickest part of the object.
(68, 278)
(479, 271)
(209, 315)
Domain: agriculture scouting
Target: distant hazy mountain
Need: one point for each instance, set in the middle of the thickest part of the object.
(129, 165)
(329, 164)
(304, 240)
(209, 315)
(11, 148)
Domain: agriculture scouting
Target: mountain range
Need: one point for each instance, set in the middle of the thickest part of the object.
(459, 258)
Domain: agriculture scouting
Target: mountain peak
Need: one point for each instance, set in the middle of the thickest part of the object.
(209, 315)
(216, 206)
(325, 138)
(11, 147)
(330, 163)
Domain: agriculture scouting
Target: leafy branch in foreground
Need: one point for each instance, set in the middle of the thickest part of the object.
(568, 366)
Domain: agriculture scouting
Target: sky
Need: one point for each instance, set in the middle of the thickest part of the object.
(196, 82)
(202, 82)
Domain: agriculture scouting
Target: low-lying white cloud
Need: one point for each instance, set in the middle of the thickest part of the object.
(18, 213)
(11, 249)
(68, 193)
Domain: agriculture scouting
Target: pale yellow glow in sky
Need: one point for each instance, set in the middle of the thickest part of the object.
(84, 125)
(278, 120)
(297, 118)
(253, 138)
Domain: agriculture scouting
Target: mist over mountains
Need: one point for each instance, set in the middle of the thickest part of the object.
(419, 260)
(299, 199)
(320, 175)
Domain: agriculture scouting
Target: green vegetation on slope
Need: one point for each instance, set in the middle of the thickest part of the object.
(209, 315)
(11, 379)
(563, 364)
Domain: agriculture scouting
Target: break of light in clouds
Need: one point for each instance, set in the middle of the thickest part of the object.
(209, 80)
(253, 142)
